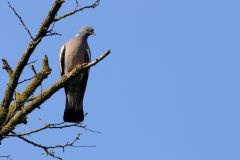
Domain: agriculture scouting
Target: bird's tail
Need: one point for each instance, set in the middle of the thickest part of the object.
(74, 109)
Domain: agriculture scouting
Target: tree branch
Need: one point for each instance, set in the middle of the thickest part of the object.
(13, 81)
(8, 157)
(36, 82)
(20, 18)
(32, 62)
(95, 4)
(25, 80)
(62, 125)
(49, 150)
(7, 67)
(33, 69)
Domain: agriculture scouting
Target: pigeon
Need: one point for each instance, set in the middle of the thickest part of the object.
(75, 51)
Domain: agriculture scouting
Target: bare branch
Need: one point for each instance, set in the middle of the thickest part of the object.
(49, 150)
(20, 18)
(47, 126)
(32, 62)
(7, 67)
(90, 130)
(25, 80)
(61, 125)
(33, 69)
(45, 148)
(46, 95)
(8, 157)
(95, 4)
(76, 5)
(53, 33)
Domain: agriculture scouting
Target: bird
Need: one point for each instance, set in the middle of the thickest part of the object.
(75, 51)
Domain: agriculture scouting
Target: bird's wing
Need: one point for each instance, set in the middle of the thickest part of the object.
(89, 55)
(61, 59)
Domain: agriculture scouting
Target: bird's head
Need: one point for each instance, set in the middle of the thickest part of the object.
(87, 31)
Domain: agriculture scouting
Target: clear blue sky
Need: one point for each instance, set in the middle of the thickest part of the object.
(170, 90)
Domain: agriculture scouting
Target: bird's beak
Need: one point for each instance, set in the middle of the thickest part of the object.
(93, 33)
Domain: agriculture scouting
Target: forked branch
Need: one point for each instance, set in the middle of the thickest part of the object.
(30, 89)
(93, 5)
(49, 150)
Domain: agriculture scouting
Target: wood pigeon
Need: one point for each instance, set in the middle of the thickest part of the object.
(75, 51)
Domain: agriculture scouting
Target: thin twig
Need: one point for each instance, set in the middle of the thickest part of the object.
(8, 157)
(95, 4)
(7, 67)
(52, 27)
(32, 62)
(90, 130)
(76, 5)
(20, 18)
(61, 125)
(25, 80)
(40, 146)
(33, 69)
(49, 150)
(53, 33)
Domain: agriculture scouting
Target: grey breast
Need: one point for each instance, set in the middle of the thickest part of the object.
(76, 52)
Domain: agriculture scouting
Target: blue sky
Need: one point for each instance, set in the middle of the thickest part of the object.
(170, 89)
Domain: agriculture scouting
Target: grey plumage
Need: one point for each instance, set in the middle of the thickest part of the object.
(74, 52)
